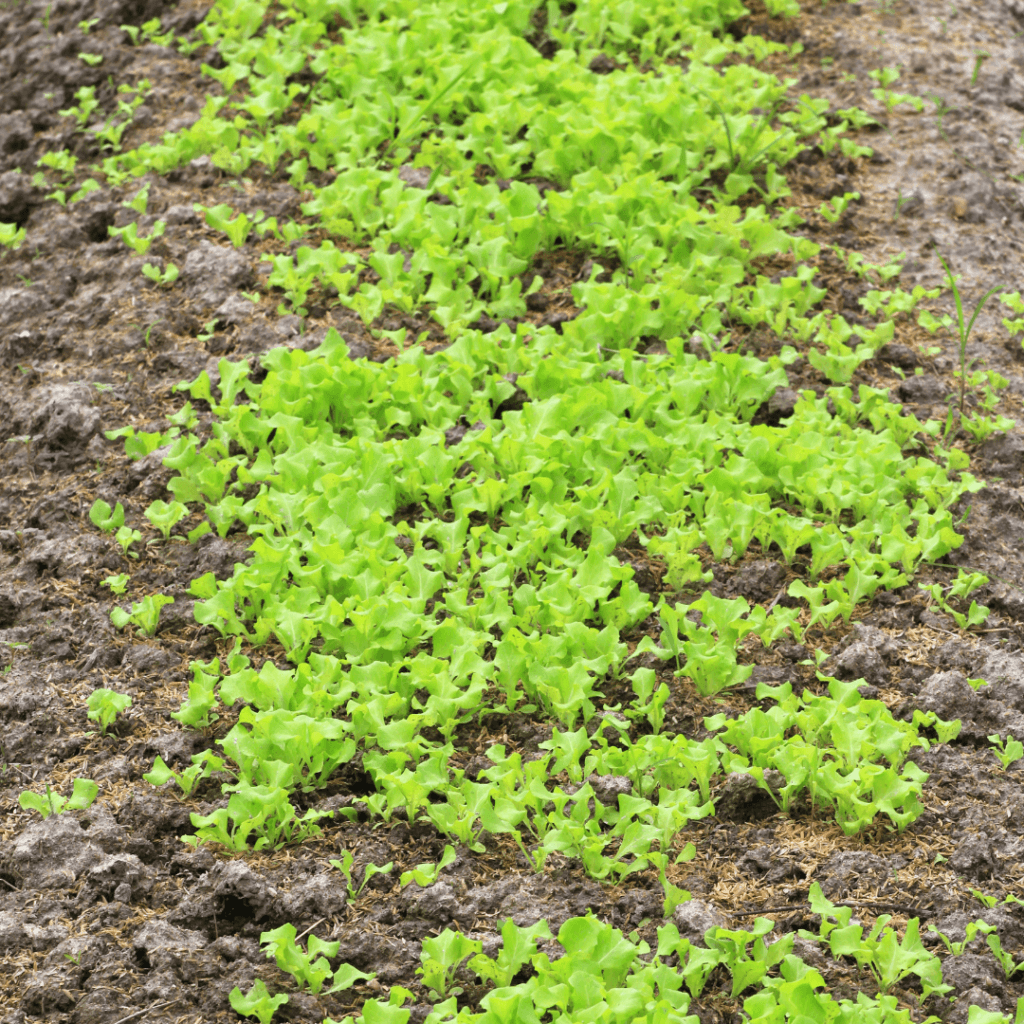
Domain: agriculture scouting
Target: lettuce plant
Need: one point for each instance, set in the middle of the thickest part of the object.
(442, 956)
(369, 870)
(104, 517)
(426, 874)
(311, 969)
(1007, 751)
(83, 795)
(203, 766)
(257, 1002)
(105, 705)
(145, 614)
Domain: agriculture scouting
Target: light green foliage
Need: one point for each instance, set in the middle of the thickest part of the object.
(62, 161)
(674, 895)
(310, 968)
(83, 794)
(961, 588)
(118, 584)
(105, 705)
(991, 901)
(508, 590)
(427, 874)
(980, 427)
(1005, 959)
(161, 277)
(1007, 751)
(126, 537)
(145, 614)
(604, 972)
(441, 957)
(889, 958)
(203, 766)
(891, 99)
(256, 818)
(165, 517)
(129, 234)
(105, 518)
(369, 870)
(971, 930)
(976, 1015)
(838, 206)
(518, 946)
(219, 217)
(258, 1002)
(11, 235)
(833, 754)
(87, 103)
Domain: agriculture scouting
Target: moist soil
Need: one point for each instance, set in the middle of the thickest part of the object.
(105, 915)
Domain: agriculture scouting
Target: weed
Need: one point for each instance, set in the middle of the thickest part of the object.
(980, 56)
(964, 333)
(940, 111)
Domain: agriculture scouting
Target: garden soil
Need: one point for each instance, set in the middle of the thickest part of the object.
(106, 915)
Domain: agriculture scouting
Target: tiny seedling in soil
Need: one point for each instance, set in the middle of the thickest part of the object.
(964, 334)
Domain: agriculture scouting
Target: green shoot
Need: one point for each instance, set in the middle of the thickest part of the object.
(964, 334)
(105, 705)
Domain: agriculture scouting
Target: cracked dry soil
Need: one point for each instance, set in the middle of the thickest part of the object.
(106, 913)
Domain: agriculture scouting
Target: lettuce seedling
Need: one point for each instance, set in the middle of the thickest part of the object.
(195, 710)
(674, 894)
(11, 236)
(1005, 960)
(129, 234)
(105, 705)
(889, 959)
(345, 867)
(518, 945)
(309, 969)
(262, 814)
(83, 794)
(1009, 751)
(165, 277)
(165, 517)
(972, 929)
(427, 874)
(104, 518)
(145, 614)
(258, 1002)
(126, 537)
(203, 766)
(118, 584)
(219, 217)
(441, 957)
(840, 203)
